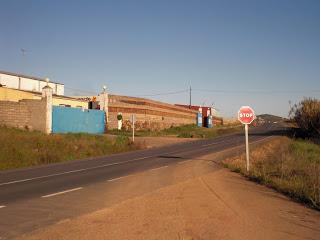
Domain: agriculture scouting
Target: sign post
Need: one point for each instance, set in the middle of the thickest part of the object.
(247, 146)
(246, 117)
(133, 121)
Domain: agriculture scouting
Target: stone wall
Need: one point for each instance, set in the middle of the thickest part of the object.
(152, 115)
(27, 114)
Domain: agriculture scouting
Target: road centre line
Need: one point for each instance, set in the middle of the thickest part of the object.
(185, 161)
(100, 166)
(83, 169)
(210, 144)
(62, 192)
(73, 171)
(153, 169)
(118, 178)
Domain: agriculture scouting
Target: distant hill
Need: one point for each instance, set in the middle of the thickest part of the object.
(271, 118)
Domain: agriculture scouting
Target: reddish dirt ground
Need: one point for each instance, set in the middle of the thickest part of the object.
(215, 205)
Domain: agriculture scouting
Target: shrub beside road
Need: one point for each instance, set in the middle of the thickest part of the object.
(306, 114)
(186, 131)
(289, 166)
(20, 148)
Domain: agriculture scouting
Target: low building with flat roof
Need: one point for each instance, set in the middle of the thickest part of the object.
(28, 83)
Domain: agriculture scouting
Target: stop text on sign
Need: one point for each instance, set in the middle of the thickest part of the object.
(246, 115)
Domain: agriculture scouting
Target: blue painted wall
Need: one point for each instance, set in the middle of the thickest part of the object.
(76, 120)
(209, 122)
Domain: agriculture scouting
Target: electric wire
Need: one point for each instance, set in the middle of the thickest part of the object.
(207, 90)
(81, 90)
(162, 94)
(257, 91)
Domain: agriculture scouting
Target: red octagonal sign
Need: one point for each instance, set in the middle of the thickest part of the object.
(246, 115)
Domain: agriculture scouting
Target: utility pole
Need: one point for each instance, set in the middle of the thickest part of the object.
(190, 97)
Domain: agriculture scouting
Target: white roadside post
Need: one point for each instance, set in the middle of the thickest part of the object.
(246, 116)
(133, 121)
(47, 94)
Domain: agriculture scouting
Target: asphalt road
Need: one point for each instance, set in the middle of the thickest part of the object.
(31, 193)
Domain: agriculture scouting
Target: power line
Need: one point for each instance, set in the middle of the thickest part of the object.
(143, 95)
(206, 90)
(257, 91)
(190, 95)
(163, 94)
(81, 90)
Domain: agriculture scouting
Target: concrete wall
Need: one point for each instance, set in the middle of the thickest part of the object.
(149, 114)
(27, 114)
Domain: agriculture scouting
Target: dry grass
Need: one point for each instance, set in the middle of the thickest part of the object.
(186, 131)
(20, 148)
(289, 166)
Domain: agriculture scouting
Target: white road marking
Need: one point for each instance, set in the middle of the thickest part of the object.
(2, 206)
(63, 192)
(153, 169)
(101, 166)
(73, 171)
(115, 179)
(210, 144)
(185, 161)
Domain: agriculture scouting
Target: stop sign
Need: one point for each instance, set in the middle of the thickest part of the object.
(246, 115)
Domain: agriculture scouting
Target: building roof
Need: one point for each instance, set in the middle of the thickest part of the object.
(25, 76)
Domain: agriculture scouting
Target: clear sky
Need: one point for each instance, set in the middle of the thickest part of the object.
(261, 53)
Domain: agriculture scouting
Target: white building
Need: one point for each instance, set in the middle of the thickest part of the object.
(27, 83)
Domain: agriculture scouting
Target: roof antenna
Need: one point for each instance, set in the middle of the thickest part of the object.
(23, 51)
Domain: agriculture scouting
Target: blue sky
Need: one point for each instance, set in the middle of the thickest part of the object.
(258, 53)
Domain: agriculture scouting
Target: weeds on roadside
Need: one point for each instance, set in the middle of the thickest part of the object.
(186, 131)
(20, 148)
(289, 166)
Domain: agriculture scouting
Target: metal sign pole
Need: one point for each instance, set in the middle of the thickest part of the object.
(247, 145)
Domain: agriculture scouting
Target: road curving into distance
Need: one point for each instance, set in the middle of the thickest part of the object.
(31, 187)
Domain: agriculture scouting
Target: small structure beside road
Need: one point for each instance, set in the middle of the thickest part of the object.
(208, 115)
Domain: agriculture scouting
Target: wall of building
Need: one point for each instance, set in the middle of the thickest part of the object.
(27, 114)
(27, 83)
(149, 114)
(8, 94)
(206, 111)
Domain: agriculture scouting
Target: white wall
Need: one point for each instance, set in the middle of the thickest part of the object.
(9, 81)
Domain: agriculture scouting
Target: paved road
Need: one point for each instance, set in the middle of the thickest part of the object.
(29, 193)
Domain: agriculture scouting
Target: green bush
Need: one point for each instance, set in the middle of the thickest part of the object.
(307, 116)
(119, 117)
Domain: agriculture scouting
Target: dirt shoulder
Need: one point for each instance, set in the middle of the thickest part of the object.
(216, 205)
